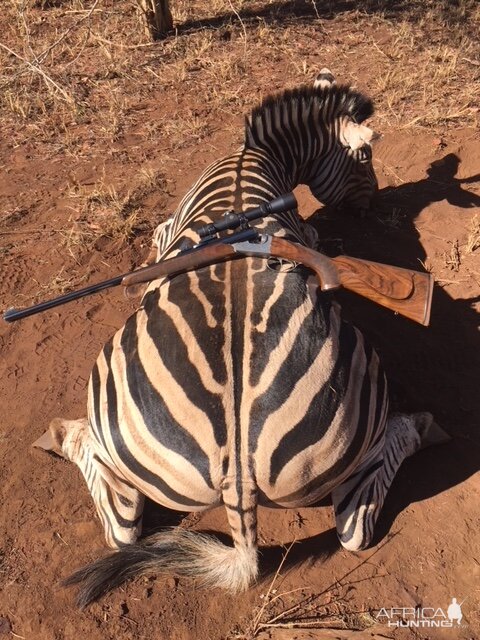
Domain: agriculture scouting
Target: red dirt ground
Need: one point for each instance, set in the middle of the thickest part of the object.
(428, 544)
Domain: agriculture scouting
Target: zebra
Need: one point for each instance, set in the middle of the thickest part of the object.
(239, 384)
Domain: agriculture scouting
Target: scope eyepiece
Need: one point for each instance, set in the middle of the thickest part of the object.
(282, 203)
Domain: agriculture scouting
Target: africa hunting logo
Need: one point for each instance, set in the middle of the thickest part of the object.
(421, 617)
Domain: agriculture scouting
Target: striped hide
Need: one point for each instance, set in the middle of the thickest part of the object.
(239, 384)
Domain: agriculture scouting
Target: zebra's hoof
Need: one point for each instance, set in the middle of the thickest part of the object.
(50, 440)
(429, 431)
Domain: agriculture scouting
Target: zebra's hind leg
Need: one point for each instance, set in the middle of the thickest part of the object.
(119, 505)
(359, 499)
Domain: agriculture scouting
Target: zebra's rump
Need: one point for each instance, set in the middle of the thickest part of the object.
(234, 371)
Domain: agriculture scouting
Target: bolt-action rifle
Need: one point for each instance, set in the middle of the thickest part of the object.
(402, 290)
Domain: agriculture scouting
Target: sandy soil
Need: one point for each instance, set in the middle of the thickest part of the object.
(76, 206)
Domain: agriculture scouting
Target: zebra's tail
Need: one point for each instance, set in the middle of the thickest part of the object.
(177, 551)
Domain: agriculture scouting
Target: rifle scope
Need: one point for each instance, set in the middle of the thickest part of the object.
(233, 220)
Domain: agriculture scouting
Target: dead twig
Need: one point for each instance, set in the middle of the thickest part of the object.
(266, 599)
(41, 57)
(37, 69)
(475, 62)
(122, 45)
(449, 116)
(382, 51)
(242, 24)
(307, 624)
(445, 281)
(473, 240)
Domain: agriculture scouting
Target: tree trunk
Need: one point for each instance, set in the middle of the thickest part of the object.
(158, 17)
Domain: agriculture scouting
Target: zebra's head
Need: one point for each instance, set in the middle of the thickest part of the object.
(317, 133)
(357, 183)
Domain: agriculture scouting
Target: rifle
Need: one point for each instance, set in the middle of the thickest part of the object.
(404, 291)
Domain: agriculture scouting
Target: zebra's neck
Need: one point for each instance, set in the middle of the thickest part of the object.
(261, 177)
(238, 182)
(294, 134)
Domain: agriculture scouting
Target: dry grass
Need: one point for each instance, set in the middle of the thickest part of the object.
(60, 283)
(108, 211)
(300, 608)
(453, 257)
(392, 219)
(189, 128)
(433, 83)
(473, 240)
(98, 68)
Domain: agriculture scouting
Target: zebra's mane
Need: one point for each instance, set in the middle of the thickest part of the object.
(329, 102)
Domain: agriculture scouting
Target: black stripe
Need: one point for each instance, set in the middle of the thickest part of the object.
(358, 482)
(214, 292)
(212, 189)
(95, 376)
(238, 204)
(322, 409)
(341, 466)
(172, 350)
(237, 323)
(289, 126)
(258, 188)
(238, 509)
(264, 283)
(210, 339)
(328, 77)
(128, 487)
(304, 351)
(119, 444)
(107, 525)
(391, 458)
(303, 133)
(273, 137)
(121, 521)
(154, 410)
(259, 194)
(364, 500)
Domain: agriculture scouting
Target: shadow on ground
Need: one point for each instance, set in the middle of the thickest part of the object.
(292, 11)
(433, 368)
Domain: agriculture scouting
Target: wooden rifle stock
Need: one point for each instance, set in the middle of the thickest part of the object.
(404, 291)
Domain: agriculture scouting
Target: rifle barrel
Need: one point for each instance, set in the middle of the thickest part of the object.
(282, 203)
(11, 315)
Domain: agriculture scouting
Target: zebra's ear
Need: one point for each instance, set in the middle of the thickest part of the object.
(356, 135)
(324, 79)
(53, 437)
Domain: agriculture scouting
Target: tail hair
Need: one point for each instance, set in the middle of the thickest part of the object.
(178, 551)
